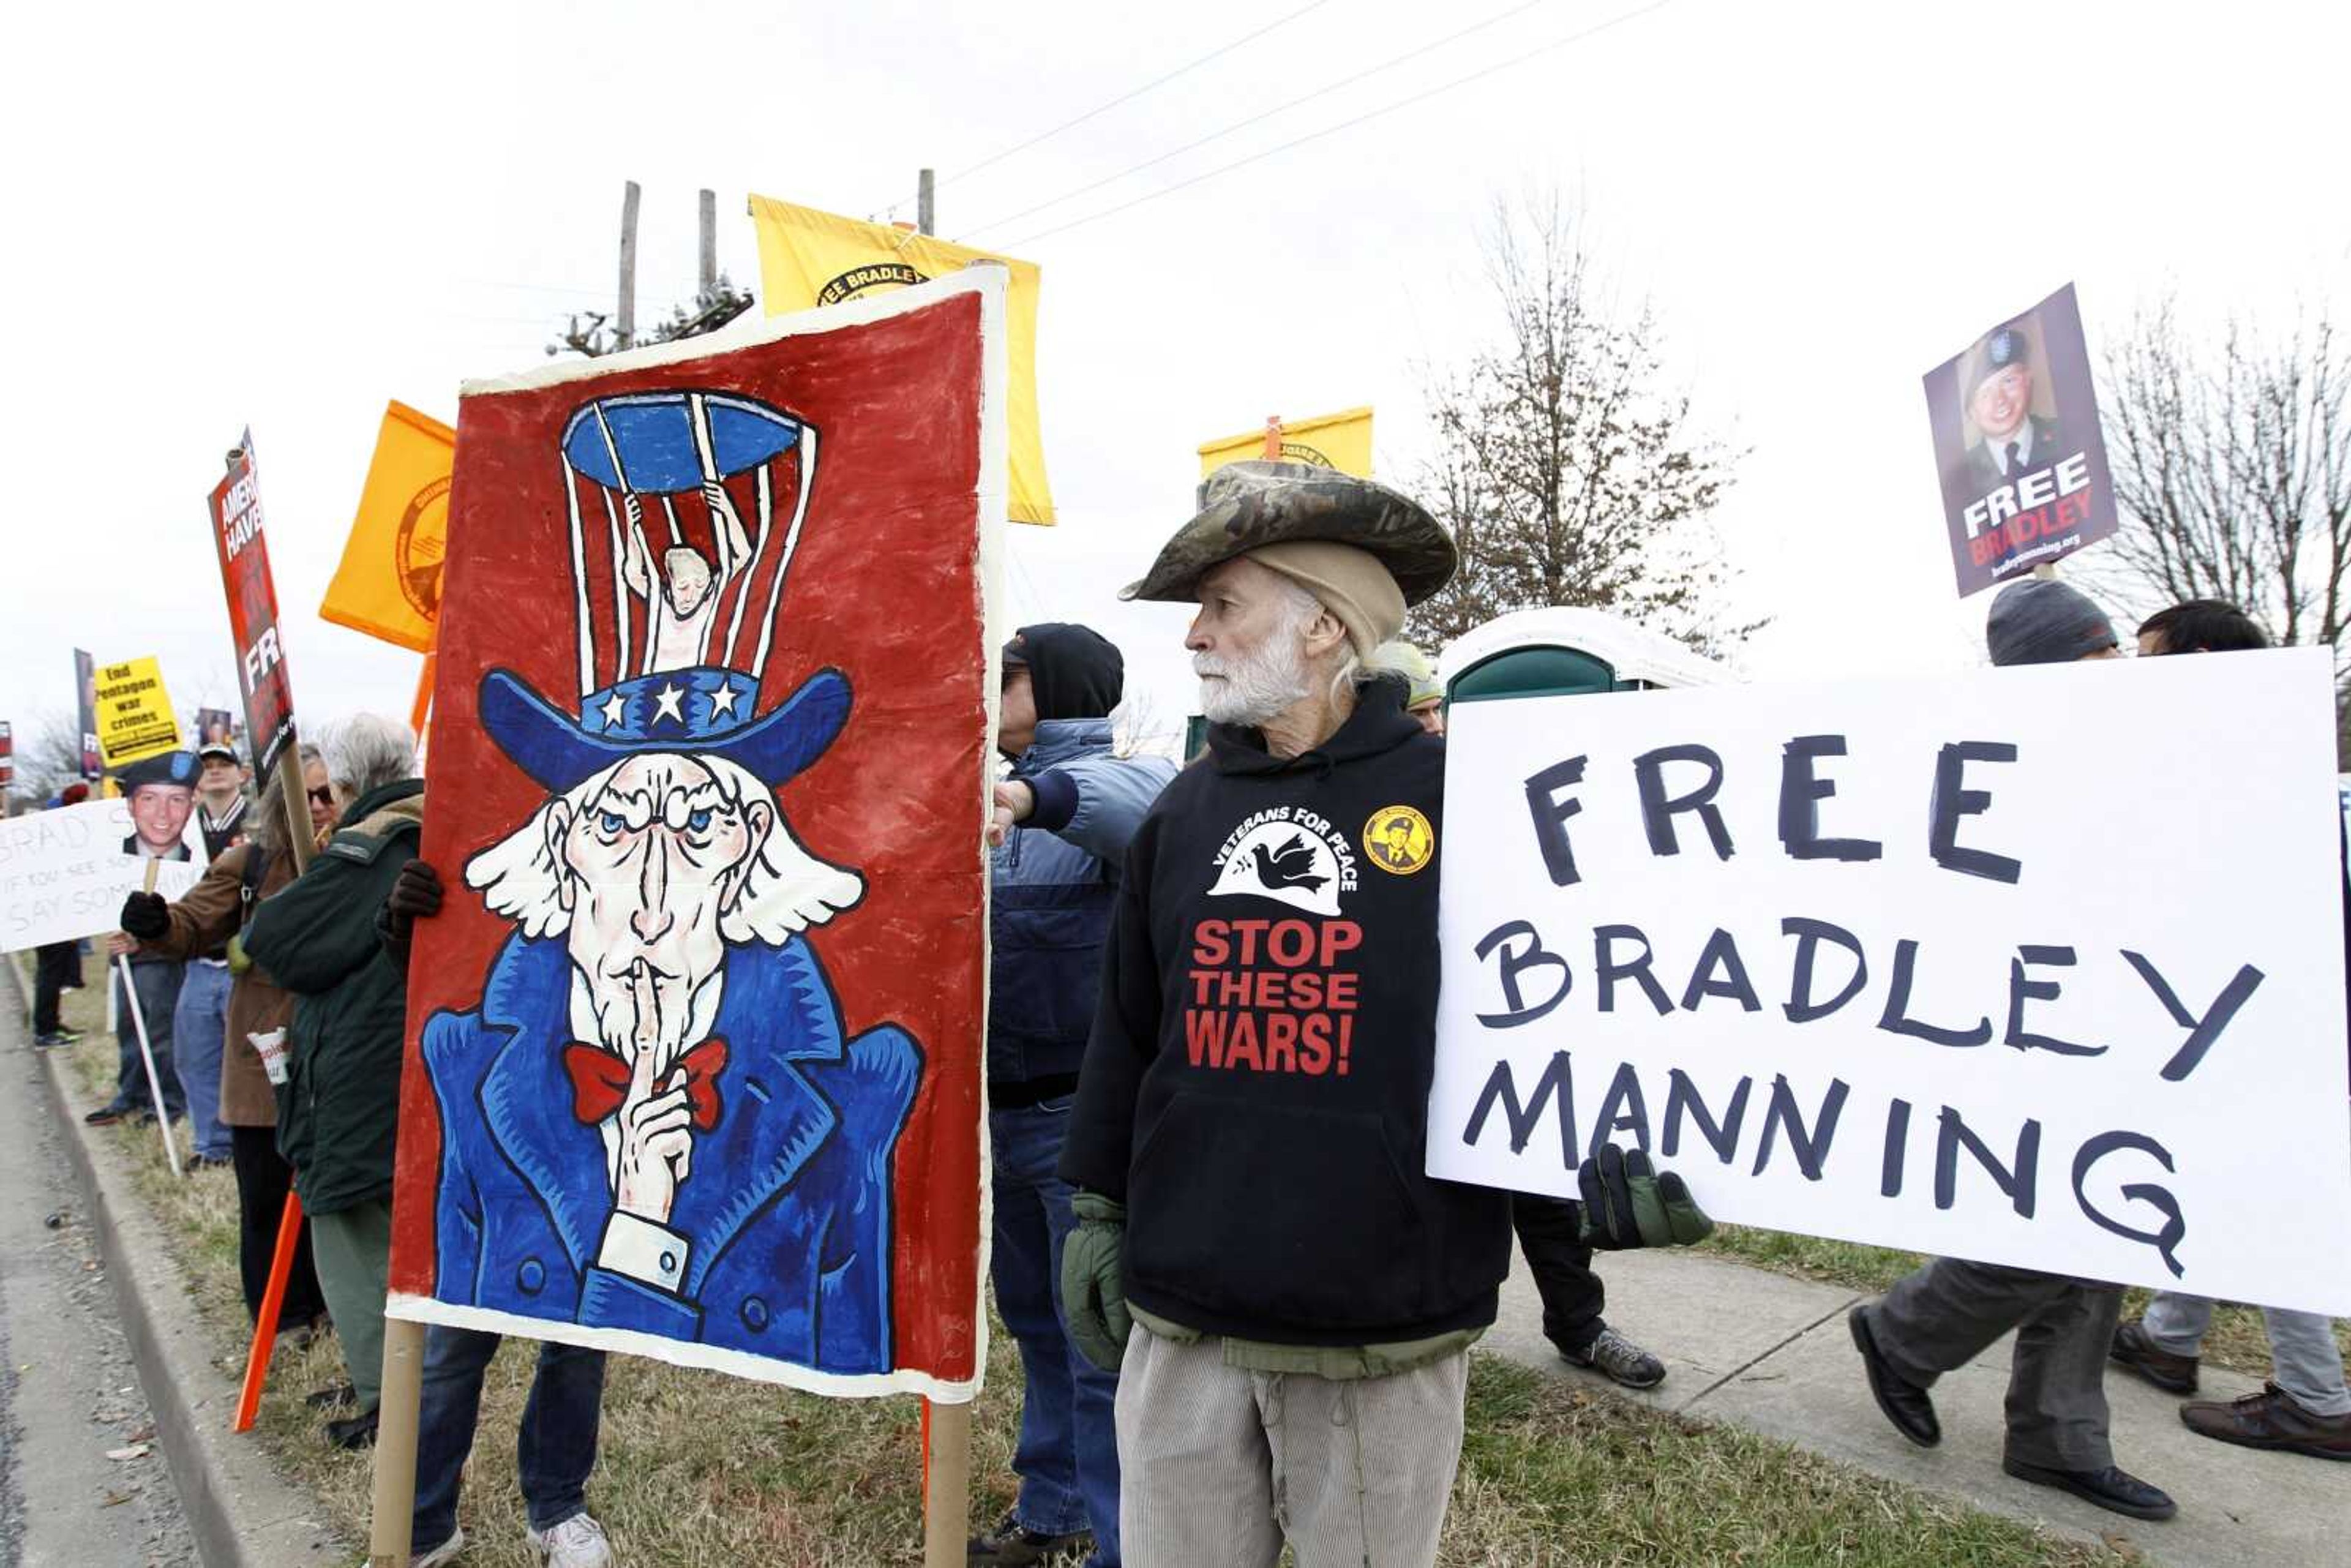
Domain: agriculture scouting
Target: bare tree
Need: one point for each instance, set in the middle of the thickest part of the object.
(2232, 465)
(712, 308)
(1568, 471)
(49, 755)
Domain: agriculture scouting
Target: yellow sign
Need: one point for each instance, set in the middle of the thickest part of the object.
(809, 258)
(1341, 441)
(134, 712)
(389, 584)
(1398, 839)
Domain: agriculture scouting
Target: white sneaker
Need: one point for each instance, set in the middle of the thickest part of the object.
(577, 1542)
(445, 1553)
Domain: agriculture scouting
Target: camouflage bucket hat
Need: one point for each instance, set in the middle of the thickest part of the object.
(1245, 505)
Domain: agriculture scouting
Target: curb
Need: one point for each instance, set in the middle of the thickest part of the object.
(240, 1511)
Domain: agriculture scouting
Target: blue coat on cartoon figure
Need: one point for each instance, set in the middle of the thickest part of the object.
(786, 1213)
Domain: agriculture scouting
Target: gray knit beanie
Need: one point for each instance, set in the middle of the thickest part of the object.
(2041, 621)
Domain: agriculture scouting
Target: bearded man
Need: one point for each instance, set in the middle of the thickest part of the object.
(1292, 1296)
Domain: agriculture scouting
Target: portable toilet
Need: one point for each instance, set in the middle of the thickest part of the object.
(1560, 652)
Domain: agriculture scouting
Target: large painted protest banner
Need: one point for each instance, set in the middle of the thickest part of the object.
(65, 872)
(694, 1068)
(2017, 443)
(2001, 966)
(263, 679)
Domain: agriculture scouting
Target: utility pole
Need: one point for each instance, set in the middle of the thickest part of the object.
(624, 324)
(926, 210)
(709, 244)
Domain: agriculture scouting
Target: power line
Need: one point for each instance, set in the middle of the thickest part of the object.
(1535, 53)
(1415, 52)
(1130, 97)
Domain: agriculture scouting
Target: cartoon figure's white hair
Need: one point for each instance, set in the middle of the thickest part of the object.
(787, 890)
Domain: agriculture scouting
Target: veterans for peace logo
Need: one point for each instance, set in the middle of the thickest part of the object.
(1288, 854)
(1398, 839)
(420, 546)
(864, 279)
(1299, 452)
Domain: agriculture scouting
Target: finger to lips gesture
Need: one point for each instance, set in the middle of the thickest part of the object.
(656, 1140)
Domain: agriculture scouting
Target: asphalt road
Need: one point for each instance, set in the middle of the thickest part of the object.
(69, 1397)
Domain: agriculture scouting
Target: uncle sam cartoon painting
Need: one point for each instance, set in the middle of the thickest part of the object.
(712, 1090)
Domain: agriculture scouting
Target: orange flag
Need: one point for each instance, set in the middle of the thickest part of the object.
(389, 584)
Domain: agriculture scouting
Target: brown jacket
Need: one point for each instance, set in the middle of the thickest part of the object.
(207, 916)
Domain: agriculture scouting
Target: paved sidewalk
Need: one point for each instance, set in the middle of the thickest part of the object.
(1765, 1352)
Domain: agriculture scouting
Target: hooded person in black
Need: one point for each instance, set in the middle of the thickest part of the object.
(1249, 1133)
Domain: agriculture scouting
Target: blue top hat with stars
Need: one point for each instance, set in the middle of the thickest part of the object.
(685, 629)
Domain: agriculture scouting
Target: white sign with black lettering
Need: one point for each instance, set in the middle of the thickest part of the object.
(65, 872)
(2040, 966)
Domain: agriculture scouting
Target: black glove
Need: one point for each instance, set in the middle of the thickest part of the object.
(1627, 1204)
(415, 896)
(146, 917)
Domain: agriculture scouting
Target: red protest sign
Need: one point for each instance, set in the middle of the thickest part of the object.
(252, 611)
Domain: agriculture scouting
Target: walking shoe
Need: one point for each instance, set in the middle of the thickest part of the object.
(576, 1543)
(1617, 1358)
(2113, 1489)
(2270, 1419)
(51, 1041)
(2133, 1349)
(445, 1553)
(354, 1432)
(1008, 1545)
(334, 1396)
(1903, 1402)
(104, 1116)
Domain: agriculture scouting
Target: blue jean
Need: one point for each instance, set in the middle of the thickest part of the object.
(555, 1447)
(198, 1025)
(1068, 1457)
(159, 995)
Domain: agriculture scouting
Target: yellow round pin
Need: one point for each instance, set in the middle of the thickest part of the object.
(1398, 839)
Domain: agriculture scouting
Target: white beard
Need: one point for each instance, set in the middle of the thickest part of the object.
(1256, 687)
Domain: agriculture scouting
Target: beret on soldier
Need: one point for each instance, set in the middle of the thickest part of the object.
(166, 768)
(1246, 505)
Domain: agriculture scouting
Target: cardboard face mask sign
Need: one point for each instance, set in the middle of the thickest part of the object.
(2017, 443)
(2040, 966)
(696, 1072)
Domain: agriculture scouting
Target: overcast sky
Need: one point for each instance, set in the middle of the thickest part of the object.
(282, 215)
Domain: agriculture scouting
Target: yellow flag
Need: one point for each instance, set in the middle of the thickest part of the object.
(135, 716)
(1341, 441)
(809, 258)
(389, 584)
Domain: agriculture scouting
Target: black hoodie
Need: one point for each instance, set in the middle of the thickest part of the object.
(1256, 1087)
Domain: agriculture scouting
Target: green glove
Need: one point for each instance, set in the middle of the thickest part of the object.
(1093, 1280)
(1627, 1204)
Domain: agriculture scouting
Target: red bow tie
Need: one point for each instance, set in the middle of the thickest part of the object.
(600, 1081)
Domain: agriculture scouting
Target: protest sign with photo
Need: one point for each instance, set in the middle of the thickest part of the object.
(65, 872)
(262, 677)
(694, 1059)
(2017, 443)
(2037, 966)
(135, 717)
(86, 702)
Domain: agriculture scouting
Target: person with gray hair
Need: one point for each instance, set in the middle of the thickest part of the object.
(321, 940)
(1287, 1295)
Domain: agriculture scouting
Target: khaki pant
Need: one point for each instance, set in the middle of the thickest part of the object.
(1219, 1464)
(351, 1249)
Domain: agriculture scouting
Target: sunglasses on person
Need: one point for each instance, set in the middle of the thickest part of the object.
(324, 794)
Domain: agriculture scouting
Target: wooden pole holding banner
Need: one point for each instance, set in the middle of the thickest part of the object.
(1273, 438)
(147, 1052)
(709, 227)
(624, 320)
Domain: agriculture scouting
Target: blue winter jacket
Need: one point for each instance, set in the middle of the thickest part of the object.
(1055, 880)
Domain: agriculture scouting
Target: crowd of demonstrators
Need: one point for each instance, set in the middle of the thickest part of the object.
(339, 1110)
(211, 918)
(2305, 1406)
(162, 795)
(1296, 1368)
(57, 966)
(1062, 820)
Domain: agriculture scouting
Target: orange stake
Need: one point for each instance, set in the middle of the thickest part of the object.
(926, 1458)
(265, 1322)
